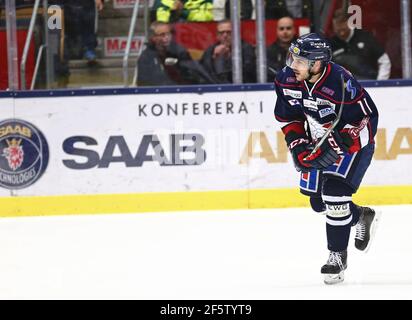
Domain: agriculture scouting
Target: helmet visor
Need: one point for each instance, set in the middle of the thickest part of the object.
(296, 62)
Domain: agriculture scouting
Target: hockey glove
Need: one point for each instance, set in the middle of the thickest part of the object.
(298, 143)
(299, 149)
(327, 154)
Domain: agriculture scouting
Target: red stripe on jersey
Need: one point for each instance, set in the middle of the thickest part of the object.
(324, 77)
(281, 119)
(299, 85)
(356, 146)
(334, 101)
(296, 126)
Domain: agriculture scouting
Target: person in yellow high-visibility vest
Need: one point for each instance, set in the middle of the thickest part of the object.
(186, 10)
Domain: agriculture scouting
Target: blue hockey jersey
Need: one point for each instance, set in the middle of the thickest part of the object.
(311, 109)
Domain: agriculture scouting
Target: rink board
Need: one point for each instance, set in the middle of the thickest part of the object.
(167, 151)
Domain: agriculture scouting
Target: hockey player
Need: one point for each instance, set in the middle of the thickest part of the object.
(314, 94)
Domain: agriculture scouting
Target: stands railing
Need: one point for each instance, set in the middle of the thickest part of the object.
(261, 61)
(129, 43)
(406, 39)
(36, 68)
(12, 61)
(236, 43)
(41, 49)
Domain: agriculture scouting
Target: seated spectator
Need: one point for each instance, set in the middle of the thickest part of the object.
(277, 51)
(358, 50)
(80, 18)
(183, 10)
(164, 62)
(217, 59)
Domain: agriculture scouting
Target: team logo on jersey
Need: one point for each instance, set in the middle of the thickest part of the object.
(24, 154)
(293, 93)
(316, 129)
(351, 89)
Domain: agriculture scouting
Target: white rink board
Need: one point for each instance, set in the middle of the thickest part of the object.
(225, 133)
(6, 112)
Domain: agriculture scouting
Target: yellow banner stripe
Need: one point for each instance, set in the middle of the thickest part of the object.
(184, 201)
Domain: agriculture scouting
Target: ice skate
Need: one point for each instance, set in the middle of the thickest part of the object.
(334, 268)
(365, 228)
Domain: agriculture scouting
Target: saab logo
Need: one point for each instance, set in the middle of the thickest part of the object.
(351, 89)
(184, 150)
(293, 93)
(311, 105)
(294, 102)
(325, 112)
(24, 154)
(14, 153)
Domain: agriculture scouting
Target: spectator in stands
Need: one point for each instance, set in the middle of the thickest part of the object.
(299, 8)
(80, 16)
(274, 9)
(182, 10)
(358, 50)
(217, 59)
(277, 51)
(164, 62)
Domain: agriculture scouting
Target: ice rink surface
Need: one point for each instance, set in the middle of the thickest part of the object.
(244, 254)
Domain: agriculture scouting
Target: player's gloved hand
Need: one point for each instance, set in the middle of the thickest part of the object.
(327, 154)
(299, 150)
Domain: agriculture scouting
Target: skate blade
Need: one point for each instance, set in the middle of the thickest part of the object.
(374, 226)
(334, 278)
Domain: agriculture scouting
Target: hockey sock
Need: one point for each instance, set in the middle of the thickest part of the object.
(338, 199)
(338, 222)
(317, 204)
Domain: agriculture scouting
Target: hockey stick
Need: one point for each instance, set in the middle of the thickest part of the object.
(334, 124)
